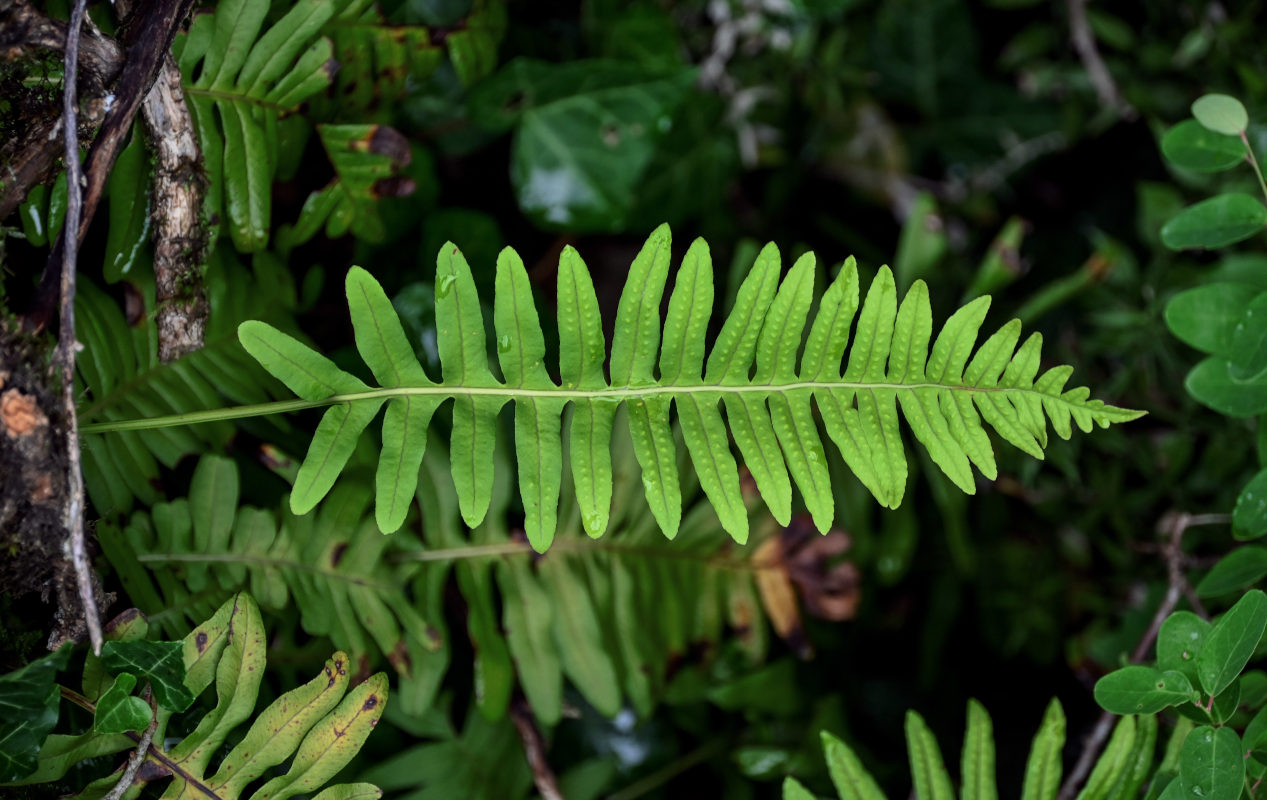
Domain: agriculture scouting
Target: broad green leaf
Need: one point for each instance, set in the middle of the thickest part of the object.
(848, 775)
(118, 711)
(1193, 146)
(1217, 222)
(1179, 642)
(277, 731)
(585, 133)
(977, 771)
(932, 782)
(1249, 515)
(1207, 317)
(1231, 642)
(1042, 770)
(160, 663)
(1212, 764)
(1235, 571)
(1143, 690)
(1221, 113)
(29, 699)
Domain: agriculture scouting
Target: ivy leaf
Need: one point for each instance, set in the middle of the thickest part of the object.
(118, 711)
(28, 711)
(162, 663)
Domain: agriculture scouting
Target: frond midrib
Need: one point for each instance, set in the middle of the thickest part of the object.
(622, 393)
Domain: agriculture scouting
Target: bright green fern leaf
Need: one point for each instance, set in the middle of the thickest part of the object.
(751, 371)
(944, 390)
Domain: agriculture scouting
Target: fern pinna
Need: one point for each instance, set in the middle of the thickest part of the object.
(751, 370)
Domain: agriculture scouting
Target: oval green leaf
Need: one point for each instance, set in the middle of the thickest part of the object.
(1211, 764)
(1206, 317)
(1221, 113)
(1142, 690)
(1249, 516)
(1211, 382)
(1179, 642)
(1216, 222)
(1193, 146)
(1231, 642)
(1238, 569)
(1248, 351)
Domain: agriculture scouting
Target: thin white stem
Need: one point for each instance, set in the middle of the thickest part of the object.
(75, 548)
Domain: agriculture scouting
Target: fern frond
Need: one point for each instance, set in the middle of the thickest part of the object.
(120, 376)
(188, 555)
(947, 394)
(245, 81)
(1119, 772)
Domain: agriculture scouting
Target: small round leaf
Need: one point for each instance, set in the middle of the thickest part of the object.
(1221, 113)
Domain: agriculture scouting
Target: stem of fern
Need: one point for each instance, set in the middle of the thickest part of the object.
(622, 393)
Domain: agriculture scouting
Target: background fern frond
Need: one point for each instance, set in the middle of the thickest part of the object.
(946, 394)
(183, 558)
(120, 376)
(1119, 772)
(244, 81)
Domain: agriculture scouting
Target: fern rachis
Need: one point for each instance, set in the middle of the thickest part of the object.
(751, 371)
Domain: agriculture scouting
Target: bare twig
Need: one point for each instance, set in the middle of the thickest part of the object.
(1176, 586)
(134, 762)
(147, 37)
(1097, 72)
(534, 749)
(74, 546)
